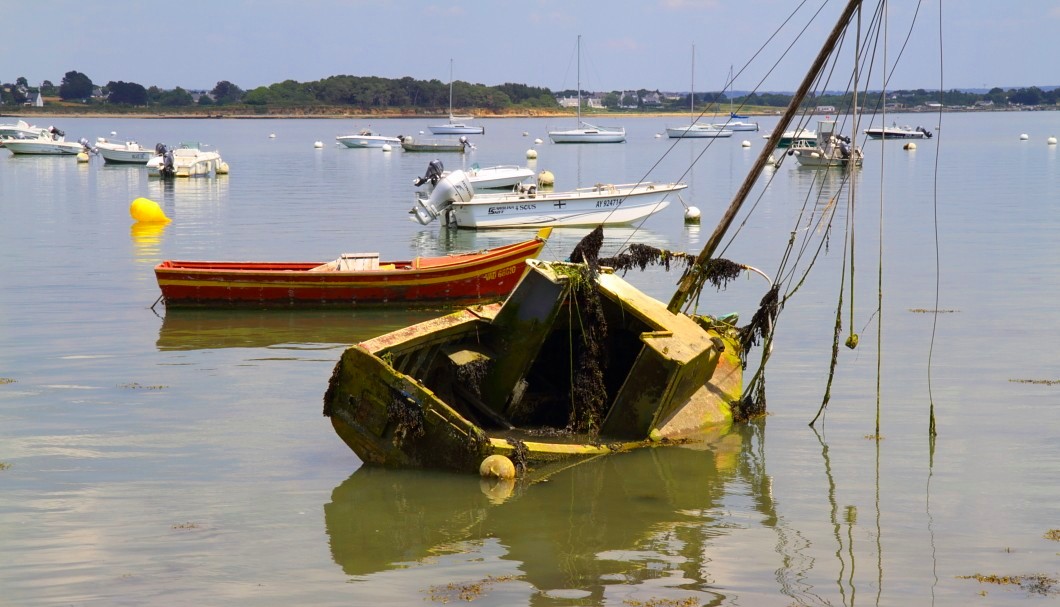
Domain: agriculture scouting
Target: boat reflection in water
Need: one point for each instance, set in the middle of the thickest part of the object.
(204, 328)
(642, 523)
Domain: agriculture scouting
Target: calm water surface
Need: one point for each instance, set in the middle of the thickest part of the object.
(156, 457)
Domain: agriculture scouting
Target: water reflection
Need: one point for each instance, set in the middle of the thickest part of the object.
(147, 240)
(643, 522)
(195, 329)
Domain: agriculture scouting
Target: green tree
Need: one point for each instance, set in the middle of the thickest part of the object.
(225, 93)
(177, 97)
(21, 81)
(75, 85)
(126, 93)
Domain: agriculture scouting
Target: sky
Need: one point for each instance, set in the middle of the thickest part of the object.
(625, 44)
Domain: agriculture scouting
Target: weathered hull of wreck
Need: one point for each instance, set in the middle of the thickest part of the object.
(497, 379)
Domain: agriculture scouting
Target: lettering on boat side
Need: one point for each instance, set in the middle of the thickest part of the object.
(512, 207)
(609, 202)
(501, 273)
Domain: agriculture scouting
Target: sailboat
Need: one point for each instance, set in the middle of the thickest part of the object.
(696, 129)
(456, 124)
(736, 122)
(585, 132)
(576, 363)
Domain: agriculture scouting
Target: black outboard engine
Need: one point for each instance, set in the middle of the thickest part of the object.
(433, 174)
(926, 132)
(844, 149)
(167, 164)
(160, 149)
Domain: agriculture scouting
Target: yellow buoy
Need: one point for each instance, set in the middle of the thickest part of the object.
(82, 157)
(531, 153)
(546, 179)
(146, 210)
(497, 466)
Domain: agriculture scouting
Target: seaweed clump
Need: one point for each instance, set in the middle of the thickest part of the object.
(407, 418)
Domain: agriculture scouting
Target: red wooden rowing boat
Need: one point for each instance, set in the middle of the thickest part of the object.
(353, 279)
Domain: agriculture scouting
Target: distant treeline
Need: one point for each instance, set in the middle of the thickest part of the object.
(373, 94)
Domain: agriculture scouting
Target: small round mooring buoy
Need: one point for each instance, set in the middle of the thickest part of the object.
(745, 143)
(497, 466)
(909, 146)
(658, 135)
(538, 141)
(1024, 137)
(692, 215)
(82, 156)
(1051, 141)
(531, 153)
(546, 179)
(222, 169)
(526, 133)
(318, 144)
(386, 147)
(272, 135)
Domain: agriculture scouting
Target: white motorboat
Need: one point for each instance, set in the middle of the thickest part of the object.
(585, 132)
(828, 150)
(799, 136)
(50, 141)
(129, 152)
(485, 178)
(189, 160)
(496, 177)
(454, 199)
(366, 139)
(898, 132)
(457, 125)
(737, 122)
(697, 130)
(20, 130)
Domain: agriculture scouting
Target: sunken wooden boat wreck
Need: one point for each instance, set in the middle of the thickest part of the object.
(575, 363)
(565, 367)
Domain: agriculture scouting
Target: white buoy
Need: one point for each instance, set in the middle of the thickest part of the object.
(658, 135)
(909, 146)
(526, 133)
(531, 153)
(772, 160)
(421, 132)
(386, 147)
(1051, 141)
(692, 215)
(113, 133)
(272, 135)
(222, 168)
(537, 141)
(318, 144)
(745, 143)
(1024, 137)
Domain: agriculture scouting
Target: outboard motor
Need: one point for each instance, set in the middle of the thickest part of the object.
(84, 144)
(160, 149)
(926, 132)
(844, 149)
(454, 187)
(167, 164)
(433, 174)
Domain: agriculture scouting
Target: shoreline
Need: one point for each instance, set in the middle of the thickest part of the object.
(309, 115)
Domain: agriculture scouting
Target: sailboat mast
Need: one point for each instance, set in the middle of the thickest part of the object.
(693, 281)
(579, 79)
(450, 89)
(692, 93)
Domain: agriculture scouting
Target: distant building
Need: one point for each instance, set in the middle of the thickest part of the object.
(38, 100)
